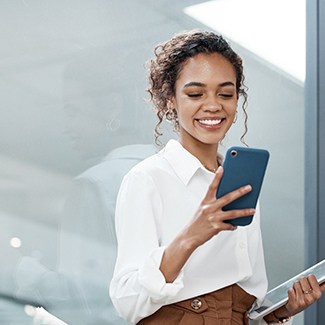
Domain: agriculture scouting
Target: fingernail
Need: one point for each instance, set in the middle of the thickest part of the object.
(219, 169)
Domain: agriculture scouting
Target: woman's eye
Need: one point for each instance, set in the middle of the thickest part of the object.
(226, 95)
(195, 95)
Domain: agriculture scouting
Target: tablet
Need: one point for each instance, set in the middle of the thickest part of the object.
(278, 296)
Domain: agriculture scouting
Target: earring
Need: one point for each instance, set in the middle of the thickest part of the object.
(113, 125)
(235, 119)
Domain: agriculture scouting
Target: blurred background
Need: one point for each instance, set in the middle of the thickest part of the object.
(74, 120)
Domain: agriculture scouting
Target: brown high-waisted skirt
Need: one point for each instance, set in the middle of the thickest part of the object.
(227, 306)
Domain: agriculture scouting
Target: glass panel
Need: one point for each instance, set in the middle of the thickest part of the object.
(74, 120)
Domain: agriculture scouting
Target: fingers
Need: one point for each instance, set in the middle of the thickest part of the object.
(309, 287)
(214, 210)
(232, 196)
(304, 293)
(217, 220)
(211, 208)
(233, 214)
(219, 225)
(226, 199)
(212, 190)
(314, 289)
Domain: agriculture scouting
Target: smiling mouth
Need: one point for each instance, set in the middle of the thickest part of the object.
(210, 122)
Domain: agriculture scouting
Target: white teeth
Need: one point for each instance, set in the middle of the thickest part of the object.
(210, 122)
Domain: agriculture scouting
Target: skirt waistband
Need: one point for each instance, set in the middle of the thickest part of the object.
(227, 306)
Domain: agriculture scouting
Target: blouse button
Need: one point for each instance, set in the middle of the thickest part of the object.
(196, 304)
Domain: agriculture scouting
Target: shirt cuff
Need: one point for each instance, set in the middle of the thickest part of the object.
(152, 279)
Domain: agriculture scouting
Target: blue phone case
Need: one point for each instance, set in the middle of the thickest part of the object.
(243, 166)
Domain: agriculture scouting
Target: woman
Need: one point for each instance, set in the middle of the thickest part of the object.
(178, 261)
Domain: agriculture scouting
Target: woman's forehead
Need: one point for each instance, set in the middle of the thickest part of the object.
(206, 67)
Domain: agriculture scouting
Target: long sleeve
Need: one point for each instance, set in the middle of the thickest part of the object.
(138, 287)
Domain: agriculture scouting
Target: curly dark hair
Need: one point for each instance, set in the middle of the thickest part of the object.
(169, 60)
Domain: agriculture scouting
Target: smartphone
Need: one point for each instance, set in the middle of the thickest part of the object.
(243, 166)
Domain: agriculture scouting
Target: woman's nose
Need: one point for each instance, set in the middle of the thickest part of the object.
(212, 105)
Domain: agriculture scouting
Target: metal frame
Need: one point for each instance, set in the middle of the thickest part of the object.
(315, 146)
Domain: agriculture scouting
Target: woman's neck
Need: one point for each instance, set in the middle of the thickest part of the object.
(205, 153)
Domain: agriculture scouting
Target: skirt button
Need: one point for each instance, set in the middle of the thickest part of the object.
(196, 304)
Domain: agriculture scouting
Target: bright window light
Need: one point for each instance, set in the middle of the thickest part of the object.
(274, 30)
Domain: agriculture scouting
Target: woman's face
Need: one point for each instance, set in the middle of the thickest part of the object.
(205, 100)
(88, 119)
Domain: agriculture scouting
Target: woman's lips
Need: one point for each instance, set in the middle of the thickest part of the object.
(210, 123)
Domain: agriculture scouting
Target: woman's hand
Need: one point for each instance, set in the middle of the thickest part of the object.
(208, 222)
(209, 218)
(304, 293)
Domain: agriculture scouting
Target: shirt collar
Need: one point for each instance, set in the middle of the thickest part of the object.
(182, 161)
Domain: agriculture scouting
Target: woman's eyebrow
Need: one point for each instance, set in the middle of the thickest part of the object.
(200, 84)
(195, 83)
(227, 83)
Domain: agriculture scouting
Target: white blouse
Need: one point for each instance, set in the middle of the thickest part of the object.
(157, 198)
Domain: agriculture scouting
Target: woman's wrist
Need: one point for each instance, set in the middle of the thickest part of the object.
(188, 242)
(272, 318)
(175, 256)
(282, 312)
(279, 316)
